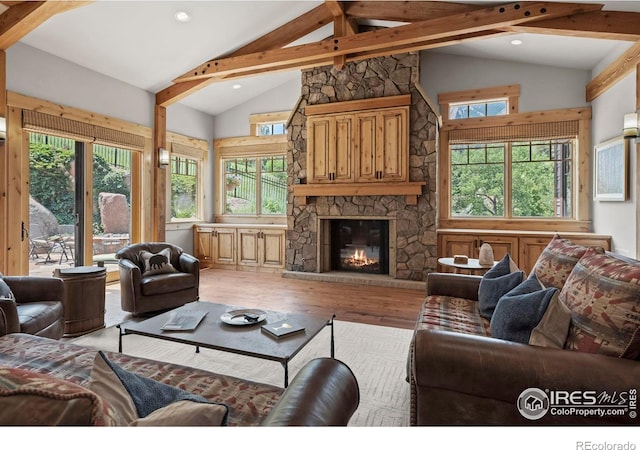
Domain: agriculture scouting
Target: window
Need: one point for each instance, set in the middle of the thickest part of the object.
(539, 173)
(269, 124)
(269, 129)
(479, 109)
(522, 171)
(256, 185)
(185, 189)
(251, 179)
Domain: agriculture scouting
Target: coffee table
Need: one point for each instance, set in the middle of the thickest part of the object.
(248, 340)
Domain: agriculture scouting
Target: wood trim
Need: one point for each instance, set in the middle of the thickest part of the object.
(482, 94)
(357, 105)
(443, 178)
(241, 141)
(614, 72)
(159, 178)
(554, 115)
(24, 102)
(355, 189)
(15, 185)
(519, 225)
(187, 141)
(4, 161)
(582, 173)
(273, 117)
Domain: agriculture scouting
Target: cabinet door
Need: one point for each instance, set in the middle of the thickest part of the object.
(202, 246)
(248, 247)
(530, 250)
(455, 244)
(329, 149)
(340, 156)
(391, 151)
(224, 246)
(273, 245)
(318, 149)
(365, 147)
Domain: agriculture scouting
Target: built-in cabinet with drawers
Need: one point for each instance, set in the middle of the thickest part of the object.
(240, 247)
(524, 247)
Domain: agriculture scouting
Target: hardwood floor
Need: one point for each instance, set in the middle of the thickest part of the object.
(373, 305)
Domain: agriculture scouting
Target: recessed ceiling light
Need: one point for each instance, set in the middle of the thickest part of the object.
(236, 86)
(516, 42)
(182, 16)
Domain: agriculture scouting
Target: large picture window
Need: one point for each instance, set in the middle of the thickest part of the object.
(539, 173)
(185, 184)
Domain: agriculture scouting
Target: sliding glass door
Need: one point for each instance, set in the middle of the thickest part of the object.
(79, 204)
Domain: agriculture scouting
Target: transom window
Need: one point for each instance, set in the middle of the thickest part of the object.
(498, 107)
(270, 129)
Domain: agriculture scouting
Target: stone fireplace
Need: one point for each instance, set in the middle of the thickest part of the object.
(411, 227)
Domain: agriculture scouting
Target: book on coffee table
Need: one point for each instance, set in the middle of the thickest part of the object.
(282, 328)
(184, 321)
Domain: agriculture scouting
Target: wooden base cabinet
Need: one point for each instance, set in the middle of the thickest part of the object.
(524, 247)
(238, 247)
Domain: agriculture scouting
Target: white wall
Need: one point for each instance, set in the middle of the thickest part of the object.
(616, 218)
(41, 75)
(235, 121)
(541, 87)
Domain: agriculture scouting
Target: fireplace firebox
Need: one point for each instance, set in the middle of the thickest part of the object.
(360, 246)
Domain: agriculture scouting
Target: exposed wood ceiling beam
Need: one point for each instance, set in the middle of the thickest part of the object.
(22, 18)
(341, 27)
(281, 36)
(462, 23)
(412, 11)
(615, 71)
(598, 24)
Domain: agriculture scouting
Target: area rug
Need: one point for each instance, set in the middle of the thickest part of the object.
(376, 355)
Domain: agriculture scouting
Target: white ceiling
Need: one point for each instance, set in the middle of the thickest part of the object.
(140, 43)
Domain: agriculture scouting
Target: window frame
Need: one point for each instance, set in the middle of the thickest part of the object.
(195, 149)
(245, 147)
(580, 220)
(256, 120)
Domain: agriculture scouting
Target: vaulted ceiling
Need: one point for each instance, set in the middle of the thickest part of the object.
(261, 44)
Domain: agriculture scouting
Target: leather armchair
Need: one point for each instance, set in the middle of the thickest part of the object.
(142, 294)
(38, 308)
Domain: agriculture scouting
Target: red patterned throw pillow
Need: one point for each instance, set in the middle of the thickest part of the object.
(557, 260)
(603, 294)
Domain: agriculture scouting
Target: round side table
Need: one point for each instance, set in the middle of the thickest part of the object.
(473, 266)
(84, 298)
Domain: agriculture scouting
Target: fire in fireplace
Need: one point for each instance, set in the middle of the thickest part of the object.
(360, 246)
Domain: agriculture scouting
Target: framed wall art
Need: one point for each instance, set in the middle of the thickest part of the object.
(611, 170)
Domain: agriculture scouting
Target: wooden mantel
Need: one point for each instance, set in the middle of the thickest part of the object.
(410, 190)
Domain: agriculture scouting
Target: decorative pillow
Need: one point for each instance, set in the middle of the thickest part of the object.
(36, 399)
(557, 260)
(496, 282)
(5, 290)
(603, 294)
(553, 328)
(520, 310)
(155, 263)
(142, 401)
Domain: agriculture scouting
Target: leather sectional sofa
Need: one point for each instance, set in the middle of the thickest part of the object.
(460, 375)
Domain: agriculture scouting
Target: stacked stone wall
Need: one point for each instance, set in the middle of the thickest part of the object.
(415, 224)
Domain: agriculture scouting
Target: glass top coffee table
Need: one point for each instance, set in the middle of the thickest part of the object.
(246, 339)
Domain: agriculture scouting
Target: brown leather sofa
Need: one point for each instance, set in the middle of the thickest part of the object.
(142, 293)
(38, 308)
(465, 378)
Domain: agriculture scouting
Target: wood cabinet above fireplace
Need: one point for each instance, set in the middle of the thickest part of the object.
(359, 147)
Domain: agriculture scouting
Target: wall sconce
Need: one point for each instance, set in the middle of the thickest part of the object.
(3, 129)
(163, 157)
(630, 129)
